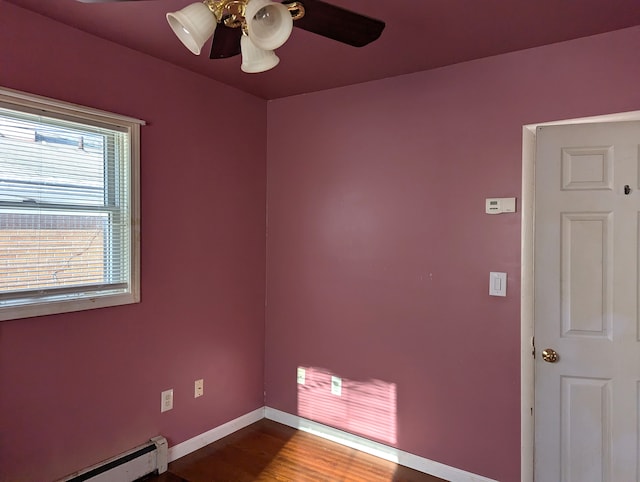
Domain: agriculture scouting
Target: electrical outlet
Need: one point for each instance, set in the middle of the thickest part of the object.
(167, 400)
(198, 388)
(302, 373)
(336, 386)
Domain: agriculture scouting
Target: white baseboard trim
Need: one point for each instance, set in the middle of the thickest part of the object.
(339, 436)
(199, 441)
(374, 448)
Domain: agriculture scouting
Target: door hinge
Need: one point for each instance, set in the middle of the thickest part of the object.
(533, 347)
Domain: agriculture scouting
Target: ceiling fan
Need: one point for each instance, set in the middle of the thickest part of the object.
(255, 28)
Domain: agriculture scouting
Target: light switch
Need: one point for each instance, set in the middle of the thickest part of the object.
(497, 284)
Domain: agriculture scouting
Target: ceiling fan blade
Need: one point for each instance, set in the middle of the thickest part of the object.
(338, 24)
(226, 42)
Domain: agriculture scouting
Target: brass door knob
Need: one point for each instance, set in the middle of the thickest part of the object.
(549, 355)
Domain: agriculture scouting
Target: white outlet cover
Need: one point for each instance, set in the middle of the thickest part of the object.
(302, 375)
(167, 400)
(198, 388)
(336, 386)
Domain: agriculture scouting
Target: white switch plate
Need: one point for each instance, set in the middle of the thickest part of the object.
(198, 388)
(167, 400)
(336, 386)
(497, 284)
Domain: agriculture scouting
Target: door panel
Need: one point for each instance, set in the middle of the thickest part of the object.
(586, 417)
(586, 287)
(587, 262)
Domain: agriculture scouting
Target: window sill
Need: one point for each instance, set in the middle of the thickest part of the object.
(66, 306)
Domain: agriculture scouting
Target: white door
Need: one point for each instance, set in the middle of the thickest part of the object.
(587, 208)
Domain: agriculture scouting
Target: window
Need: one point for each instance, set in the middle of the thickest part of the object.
(69, 222)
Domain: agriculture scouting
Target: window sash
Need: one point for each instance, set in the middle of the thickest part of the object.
(29, 267)
(118, 209)
(26, 165)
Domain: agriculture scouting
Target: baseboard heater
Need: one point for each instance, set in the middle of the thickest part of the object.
(129, 466)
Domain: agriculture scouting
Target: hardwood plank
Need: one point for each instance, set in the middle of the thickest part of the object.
(267, 451)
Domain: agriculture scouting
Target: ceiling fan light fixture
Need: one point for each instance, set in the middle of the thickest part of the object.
(255, 59)
(193, 25)
(269, 24)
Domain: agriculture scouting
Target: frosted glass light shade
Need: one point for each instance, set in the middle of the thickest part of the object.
(193, 25)
(254, 59)
(269, 24)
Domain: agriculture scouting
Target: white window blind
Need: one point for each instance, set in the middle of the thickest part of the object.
(68, 204)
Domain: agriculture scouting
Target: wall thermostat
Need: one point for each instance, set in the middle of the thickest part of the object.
(498, 205)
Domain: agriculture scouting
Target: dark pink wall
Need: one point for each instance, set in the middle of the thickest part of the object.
(78, 388)
(379, 251)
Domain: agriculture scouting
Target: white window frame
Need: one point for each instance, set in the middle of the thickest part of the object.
(132, 127)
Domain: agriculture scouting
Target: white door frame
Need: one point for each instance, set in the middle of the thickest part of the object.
(527, 281)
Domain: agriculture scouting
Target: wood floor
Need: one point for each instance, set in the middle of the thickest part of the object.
(268, 451)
